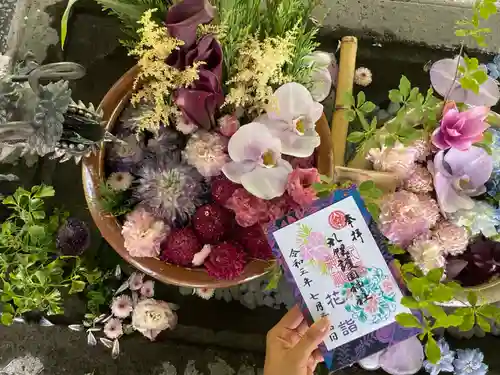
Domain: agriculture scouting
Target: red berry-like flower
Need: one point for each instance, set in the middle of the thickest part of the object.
(211, 223)
(255, 242)
(180, 247)
(222, 190)
(226, 261)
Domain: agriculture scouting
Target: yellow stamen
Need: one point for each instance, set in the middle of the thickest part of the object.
(268, 159)
(300, 126)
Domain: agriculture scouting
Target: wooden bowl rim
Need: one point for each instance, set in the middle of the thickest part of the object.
(112, 105)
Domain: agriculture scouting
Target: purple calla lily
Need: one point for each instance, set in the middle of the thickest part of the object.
(183, 19)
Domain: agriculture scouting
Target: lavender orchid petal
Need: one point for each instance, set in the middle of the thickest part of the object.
(250, 141)
(184, 18)
(235, 170)
(404, 358)
(474, 163)
(293, 101)
(267, 183)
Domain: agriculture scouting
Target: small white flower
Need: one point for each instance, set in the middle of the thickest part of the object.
(148, 289)
(184, 126)
(150, 317)
(135, 281)
(120, 181)
(199, 257)
(113, 328)
(121, 306)
(363, 76)
(205, 293)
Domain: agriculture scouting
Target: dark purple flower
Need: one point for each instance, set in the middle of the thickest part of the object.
(73, 237)
(483, 261)
(184, 18)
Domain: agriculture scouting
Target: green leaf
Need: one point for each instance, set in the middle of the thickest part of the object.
(36, 232)
(468, 322)
(413, 94)
(489, 311)
(9, 201)
(436, 311)
(64, 22)
(361, 99)
(356, 137)
(374, 210)
(348, 99)
(472, 298)
(480, 76)
(395, 96)
(373, 124)
(442, 293)
(40, 275)
(435, 275)
(449, 321)
(483, 323)
(45, 191)
(416, 286)
(395, 250)
(408, 320)
(368, 107)
(8, 308)
(38, 215)
(410, 302)
(390, 141)
(77, 286)
(7, 319)
(393, 127)
(432, 351)
(350, 115)
(404, 86)
(366, 186)
(487, 138)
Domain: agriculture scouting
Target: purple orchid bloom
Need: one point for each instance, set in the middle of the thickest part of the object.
(183, 19)
(460, 129)
(459, 175)
(442, 74)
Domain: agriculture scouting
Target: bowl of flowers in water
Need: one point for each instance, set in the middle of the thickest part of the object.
(218, 130)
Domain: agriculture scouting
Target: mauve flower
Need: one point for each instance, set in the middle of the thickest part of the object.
(228, 125)
(292, 118)
(403, 358)
(315, 247)
(247, 208)
(150, 317)
(148, 289)
(121, 307)
(184, 18)
(442, 74)
(458, 175)
(299, 185)
(206, 151)
(420, 181)
(256, 161)
(460, 129)
(199, 257)
(428, 254)
(143, 234)
(453, 239)
(470, 362)
(113, 328)
(279, 206)
(136, 280)
(404, 216)
(398, 159)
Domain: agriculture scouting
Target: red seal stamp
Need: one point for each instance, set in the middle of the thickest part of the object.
(337, 220)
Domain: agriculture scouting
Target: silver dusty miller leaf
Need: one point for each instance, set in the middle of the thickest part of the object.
(48, 120)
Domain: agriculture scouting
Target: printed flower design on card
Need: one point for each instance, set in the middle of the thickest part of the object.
(371, 298)
(313, 246)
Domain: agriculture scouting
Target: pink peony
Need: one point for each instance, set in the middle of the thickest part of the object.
(228, 125)
(460, 129)
(299, 185)
(404, 216)
(143, 234)
(206, 152)
(248, 209)
(398, 159)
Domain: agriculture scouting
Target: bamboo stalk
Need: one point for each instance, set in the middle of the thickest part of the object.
(340, 125)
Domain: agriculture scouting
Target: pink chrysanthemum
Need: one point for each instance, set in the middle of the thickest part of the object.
(143, 233)
(398, 159)
(299, 185)
(428, 254)
(207, 152)
(121, 307)
(113, 328)
(228, 125)
(248, 209)
(148, 289)
(403, 217)
(420, 181)
(453, 239)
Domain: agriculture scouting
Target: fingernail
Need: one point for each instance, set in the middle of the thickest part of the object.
(323, 324)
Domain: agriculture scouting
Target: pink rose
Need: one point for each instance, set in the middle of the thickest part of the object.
(228, 125)
(460, 129)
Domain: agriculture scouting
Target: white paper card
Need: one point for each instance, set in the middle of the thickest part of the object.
(340, 271)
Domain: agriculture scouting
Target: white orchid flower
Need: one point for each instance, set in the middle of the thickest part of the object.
(292, 118)
(256, 161)
(323, 75)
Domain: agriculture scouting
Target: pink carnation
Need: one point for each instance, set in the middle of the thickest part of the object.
(248, 209)
(304, 163)
(206, 152)
(453, 239)
(143, 233)
(398, 159)
(228, 125)
(404, 216)
(299, 185)
(420, 181)
(428, 254)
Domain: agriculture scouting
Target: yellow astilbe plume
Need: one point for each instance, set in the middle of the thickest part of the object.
(259, 67)
(157, 80)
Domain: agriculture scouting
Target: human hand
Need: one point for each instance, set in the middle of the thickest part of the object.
(292, 346)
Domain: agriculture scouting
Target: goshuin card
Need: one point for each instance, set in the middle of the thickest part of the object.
(338, 269)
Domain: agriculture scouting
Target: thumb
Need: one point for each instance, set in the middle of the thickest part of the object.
(310, 341)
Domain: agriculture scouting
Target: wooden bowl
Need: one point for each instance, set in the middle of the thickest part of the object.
(93, 174)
